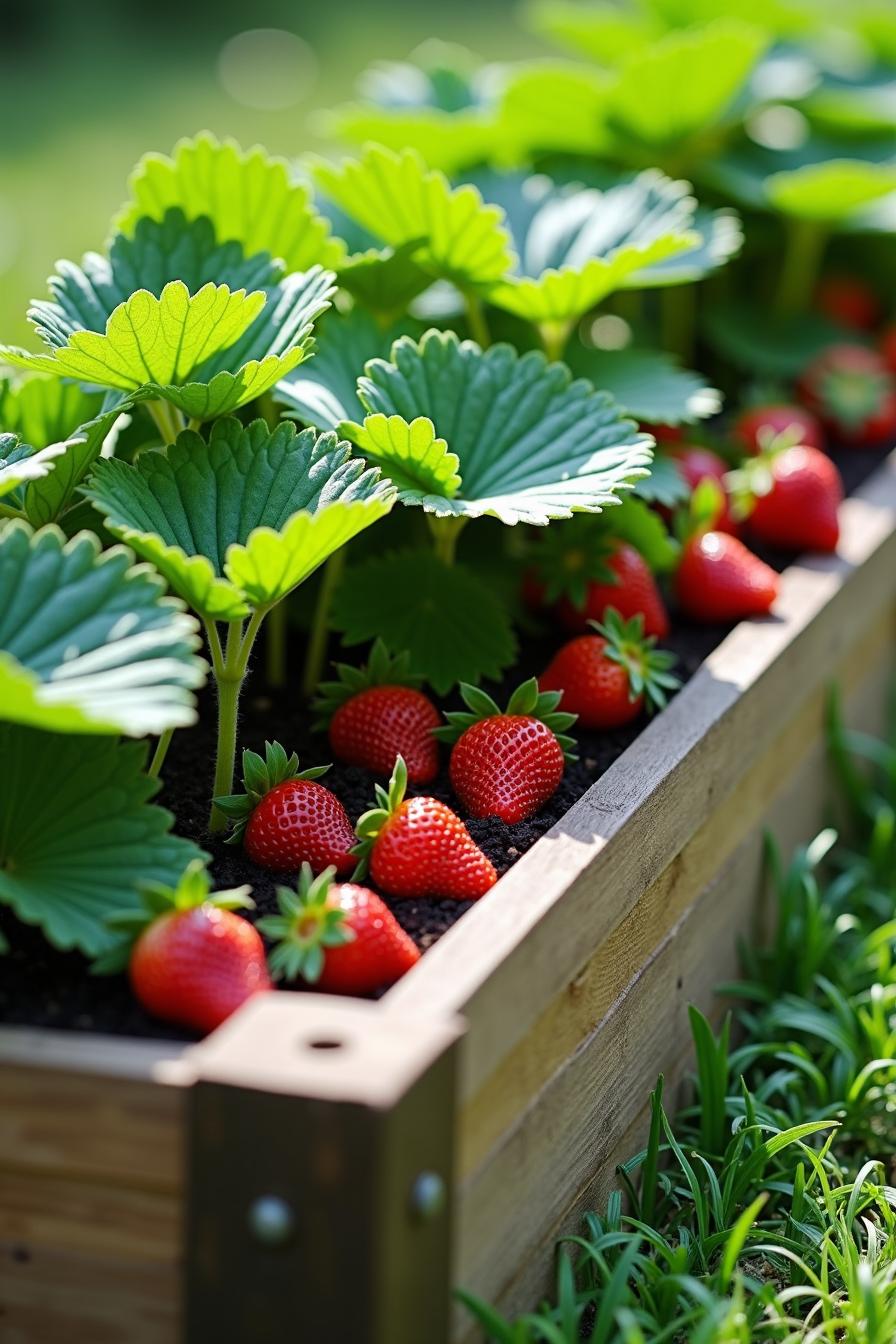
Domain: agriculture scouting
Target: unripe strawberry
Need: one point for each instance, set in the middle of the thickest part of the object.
(507, 764)
(607, 678)
(284, 819)
(415, 847)
(377, 713)
(337, 936)
(193, 961)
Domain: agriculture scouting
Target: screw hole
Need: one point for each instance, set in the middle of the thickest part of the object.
(325, 1043)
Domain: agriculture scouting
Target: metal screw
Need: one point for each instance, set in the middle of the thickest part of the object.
(428, 1196)
(271, 1220)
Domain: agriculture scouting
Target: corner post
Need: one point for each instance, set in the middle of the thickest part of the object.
(319, 1185)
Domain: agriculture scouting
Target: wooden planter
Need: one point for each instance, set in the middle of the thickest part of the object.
(283, 1179)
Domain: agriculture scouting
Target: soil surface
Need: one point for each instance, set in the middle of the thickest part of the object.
(40, 986)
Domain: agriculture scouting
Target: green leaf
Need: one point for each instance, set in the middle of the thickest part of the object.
(78, 834)
(831, 193)
(44, 410)
(604, 32)
(578, 244)
(648, 384)
(250, 198)
(665, 485)
(385, 280)
(84, 297)
(206, 354)
(451, 625)
(48, 498)
(448, 141)
(88, 642)
(531, 444)
(398, 199)
(236, 522)
(20, 463)
(417, 462)
(577, 99)
(720, 237)
(779, 349)
(325, 391)
(683, 84)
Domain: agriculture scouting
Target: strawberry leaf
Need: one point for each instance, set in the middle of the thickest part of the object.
(531, 444)
(450, 625)
(20, 463)
(88, 643)
(577, 98)
(398, 199)
(78, 834)
(835, 192)
(237, 522)
(648, 384)
(250, 198)
(780, 350)
(417, 462)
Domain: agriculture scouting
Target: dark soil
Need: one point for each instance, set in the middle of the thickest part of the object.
(40, 986)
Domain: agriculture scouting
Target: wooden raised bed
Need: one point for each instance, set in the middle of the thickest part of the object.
(513, 1063)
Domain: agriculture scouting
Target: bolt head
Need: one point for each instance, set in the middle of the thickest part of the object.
(428, 1196)
(271, 1220)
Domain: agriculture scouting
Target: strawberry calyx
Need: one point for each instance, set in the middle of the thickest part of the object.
(648, 667)
(853, 396)
(193, 890)
(260, 775)
(527, 701)
(370, 823)
(702, 512)
(304, 927)
(381, 669)
(755, 478)
(568, 559)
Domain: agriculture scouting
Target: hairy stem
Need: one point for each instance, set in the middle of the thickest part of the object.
(7, 511)
(476, 320)
(167, 418)
(554, 338)
(161, 751)
(230, 681)
(803, 252)
(320, 623)
(445, 534)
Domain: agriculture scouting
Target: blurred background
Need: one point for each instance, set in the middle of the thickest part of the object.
(86, 88)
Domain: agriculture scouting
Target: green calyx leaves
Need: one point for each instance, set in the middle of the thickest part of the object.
(88, 641)
(370, 823)
(530, 444)
(78, 833)
(260, 775)
(307, 923)
(569, 557)
(237, 522)
(648, 668)
(381, 669)
(526, 701)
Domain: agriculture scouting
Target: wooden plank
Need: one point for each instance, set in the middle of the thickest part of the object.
(344, 1118)
(515, 951)
(594, 1101)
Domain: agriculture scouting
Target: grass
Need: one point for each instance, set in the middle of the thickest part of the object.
(763, 1211)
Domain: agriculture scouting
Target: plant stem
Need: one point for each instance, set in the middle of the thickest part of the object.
(7, 511)
(317, 638)
(161, 751)
(554, 336)
(168, 419)
(803, 251)
(678, 320)
(228, 705)
(476, 319)
(445, 533)
(275, 645)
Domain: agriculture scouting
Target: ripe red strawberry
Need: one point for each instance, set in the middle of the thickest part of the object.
(629, 588)
(507, 764)
(194, 961)
(284, 819)
(790, 495)
(418, 847)
(849, 300)
(337, 936)
(698, 464)
(720, 580)
(853, 392)
(754, 429)
(608, 677)
(377, 712)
